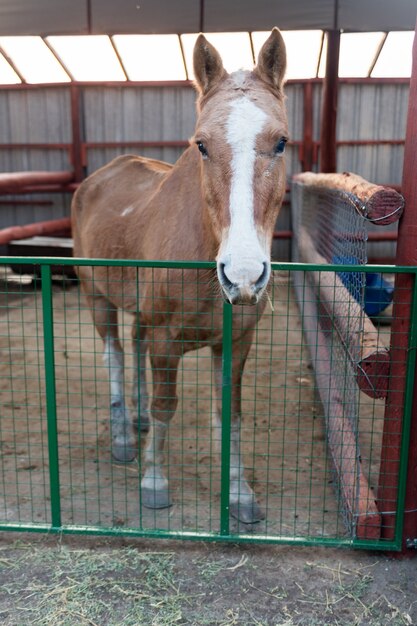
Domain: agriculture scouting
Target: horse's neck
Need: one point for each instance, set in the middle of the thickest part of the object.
(187, 235)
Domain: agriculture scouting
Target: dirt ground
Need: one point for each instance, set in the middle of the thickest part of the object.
(94, 582)
(98, 581)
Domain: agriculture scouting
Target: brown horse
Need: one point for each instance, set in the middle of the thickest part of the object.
(219, 201)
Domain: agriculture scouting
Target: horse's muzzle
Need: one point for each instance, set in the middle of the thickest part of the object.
(243, 292)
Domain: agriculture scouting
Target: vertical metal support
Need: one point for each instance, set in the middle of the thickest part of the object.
(226, 417)
(307, 146)
(399, 350)
(328, 160)
(76, 149)
(48, 342)
(404, 480)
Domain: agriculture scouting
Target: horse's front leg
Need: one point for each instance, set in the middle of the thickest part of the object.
(154, 485)
(242, 502)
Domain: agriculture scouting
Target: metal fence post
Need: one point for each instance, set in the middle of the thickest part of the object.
(226, 417)
(48, 344)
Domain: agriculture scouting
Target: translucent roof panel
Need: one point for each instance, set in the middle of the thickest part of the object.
(7, 74)
(88, 57)
(396, 55)
(151, 57)
(358, 52)
(303, 50)
(100, 58)
(34, 60)
(235, 50)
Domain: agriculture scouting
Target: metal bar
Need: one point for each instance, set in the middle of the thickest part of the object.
(119, 57)
(377, 54)
(373, 236)
(48, 338)
(10, 182)
(12, 65)
(13, 233)
(307, 145)
(35, 146)
(406, 481)
(24, 202)
(226, 417)
(281, 266)
(188, 84)
(184, 62)
(328, 157)
(72, 529)
(180, 143)
(402, 313)
(58, 58)
(76, 149)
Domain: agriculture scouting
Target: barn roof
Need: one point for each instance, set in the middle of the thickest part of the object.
(48, 17)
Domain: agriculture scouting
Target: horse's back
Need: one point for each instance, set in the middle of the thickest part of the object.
(125, 176)
(110, 194)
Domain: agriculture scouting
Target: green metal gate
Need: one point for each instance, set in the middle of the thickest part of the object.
(56, 472)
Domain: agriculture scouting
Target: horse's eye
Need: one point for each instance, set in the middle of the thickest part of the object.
(280, 147)
(202, 148)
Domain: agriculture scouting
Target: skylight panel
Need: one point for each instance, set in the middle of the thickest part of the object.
(88, 57)
(303, 50)
(151, 57)
(396, 55)
(357, 53)
(7, 74)
(234, 48)
(34, 60)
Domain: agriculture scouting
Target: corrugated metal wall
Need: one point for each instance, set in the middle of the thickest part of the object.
(376, 112)
(137, 114)
(367, 112)
(34, 116)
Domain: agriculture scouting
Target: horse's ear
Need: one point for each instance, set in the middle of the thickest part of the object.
(272, 60)
(208, 65)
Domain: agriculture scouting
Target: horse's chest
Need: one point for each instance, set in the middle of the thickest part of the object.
(196, 329)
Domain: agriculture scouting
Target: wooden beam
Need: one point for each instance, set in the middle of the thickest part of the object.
(381, 205)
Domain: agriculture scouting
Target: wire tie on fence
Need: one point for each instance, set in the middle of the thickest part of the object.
(375, 220)
(270, 302)
(365, 375)
(384, 513)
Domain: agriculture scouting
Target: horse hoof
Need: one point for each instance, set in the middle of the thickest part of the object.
(123, 453)
(156, 498)
(144, 423)
(247, 513)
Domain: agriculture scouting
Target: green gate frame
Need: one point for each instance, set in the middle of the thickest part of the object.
(44, 265)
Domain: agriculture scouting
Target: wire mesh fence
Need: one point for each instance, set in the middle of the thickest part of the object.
(57, 471)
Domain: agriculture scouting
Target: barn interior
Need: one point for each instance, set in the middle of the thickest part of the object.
(81, 83)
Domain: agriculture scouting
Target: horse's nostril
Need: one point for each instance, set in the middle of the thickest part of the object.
(263, 277)
(226, 282)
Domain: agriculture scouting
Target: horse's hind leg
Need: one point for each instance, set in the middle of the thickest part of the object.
(140, 398)
(242, 502)
(123, 440)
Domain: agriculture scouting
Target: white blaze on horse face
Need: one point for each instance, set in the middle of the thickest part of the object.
(241, 254)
